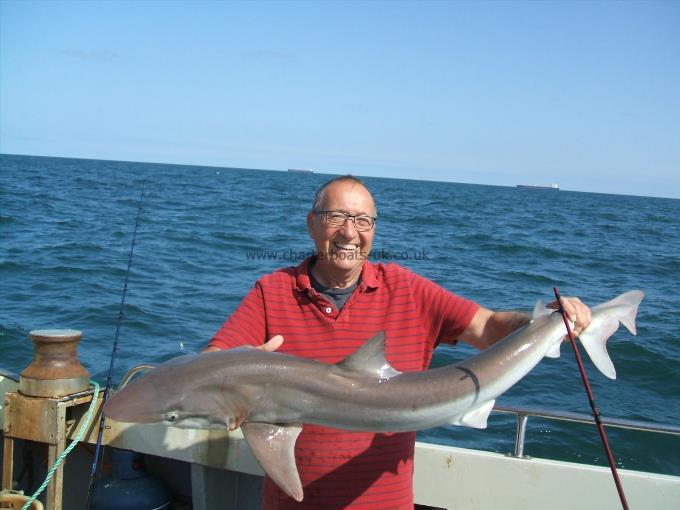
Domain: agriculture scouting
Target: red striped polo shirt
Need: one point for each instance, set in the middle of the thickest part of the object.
(338, 468)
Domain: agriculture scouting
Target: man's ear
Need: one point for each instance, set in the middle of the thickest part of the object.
(310, 220)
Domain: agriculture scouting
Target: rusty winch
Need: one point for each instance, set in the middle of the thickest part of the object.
(55, 370)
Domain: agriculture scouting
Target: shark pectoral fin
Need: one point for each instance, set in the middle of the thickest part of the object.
(274, 448)
(477, 416)
(370, 358)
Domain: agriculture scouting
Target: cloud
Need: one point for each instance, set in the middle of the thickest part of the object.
(269, 54)
(91, 55)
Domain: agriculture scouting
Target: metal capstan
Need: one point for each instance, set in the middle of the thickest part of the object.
(55, 370)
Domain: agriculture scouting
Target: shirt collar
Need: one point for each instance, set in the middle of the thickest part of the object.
(369, 279)
(302, 281)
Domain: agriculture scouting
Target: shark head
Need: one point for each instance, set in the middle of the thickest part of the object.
(175, 395)
(138, 402)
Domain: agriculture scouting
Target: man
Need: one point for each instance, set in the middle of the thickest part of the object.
(325, 309)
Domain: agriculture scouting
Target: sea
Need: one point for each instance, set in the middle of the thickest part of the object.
(206, 234)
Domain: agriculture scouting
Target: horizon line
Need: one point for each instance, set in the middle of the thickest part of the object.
(315, 172)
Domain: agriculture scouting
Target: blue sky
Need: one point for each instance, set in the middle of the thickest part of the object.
(578, 93)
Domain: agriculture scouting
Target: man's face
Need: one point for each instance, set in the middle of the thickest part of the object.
(342, 248)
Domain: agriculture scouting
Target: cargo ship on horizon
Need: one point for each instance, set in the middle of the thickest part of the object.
(538, 186)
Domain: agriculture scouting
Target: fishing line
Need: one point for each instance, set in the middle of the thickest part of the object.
(114, 351)
(180, 341)
(591, 398)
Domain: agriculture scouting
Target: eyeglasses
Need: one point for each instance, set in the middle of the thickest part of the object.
(362, 222)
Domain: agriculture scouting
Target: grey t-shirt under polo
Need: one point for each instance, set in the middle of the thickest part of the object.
(337, 297)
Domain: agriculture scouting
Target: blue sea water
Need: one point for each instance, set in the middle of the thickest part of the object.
(206, 234)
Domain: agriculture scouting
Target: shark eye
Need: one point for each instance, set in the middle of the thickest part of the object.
(172, 416)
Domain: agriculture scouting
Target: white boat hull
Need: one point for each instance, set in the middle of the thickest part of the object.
(221, 468)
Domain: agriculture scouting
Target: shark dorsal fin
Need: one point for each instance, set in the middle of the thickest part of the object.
(370, 359)
(540, 310)
(274, 448)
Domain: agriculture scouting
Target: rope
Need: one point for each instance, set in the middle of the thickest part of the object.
(79, 436)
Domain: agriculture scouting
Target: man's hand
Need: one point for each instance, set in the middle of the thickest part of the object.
(274, 343)
(577, 312)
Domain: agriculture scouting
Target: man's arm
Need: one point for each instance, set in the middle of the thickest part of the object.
(488, 327)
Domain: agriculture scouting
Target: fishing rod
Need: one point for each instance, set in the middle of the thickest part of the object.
(591, 399)
(114, 351)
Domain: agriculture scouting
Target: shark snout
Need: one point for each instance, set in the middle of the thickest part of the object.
(134, 404)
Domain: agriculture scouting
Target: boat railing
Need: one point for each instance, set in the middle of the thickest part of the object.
(523, 414)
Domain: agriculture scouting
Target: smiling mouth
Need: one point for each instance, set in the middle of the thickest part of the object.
(345, 246)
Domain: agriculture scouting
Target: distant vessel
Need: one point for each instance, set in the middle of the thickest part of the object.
(536, 186)
(301, 170)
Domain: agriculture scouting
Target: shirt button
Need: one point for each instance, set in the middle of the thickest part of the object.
(329, 309)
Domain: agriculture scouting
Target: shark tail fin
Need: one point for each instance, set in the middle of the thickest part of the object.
(605, 321)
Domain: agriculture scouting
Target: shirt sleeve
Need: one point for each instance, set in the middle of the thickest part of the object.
(246, 326)
(445, 314)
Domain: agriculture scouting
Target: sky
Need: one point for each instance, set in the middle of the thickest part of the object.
(583, 94)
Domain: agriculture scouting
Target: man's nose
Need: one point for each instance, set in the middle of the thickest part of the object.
(349, 229)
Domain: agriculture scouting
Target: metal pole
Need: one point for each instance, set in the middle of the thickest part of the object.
(520, 435)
